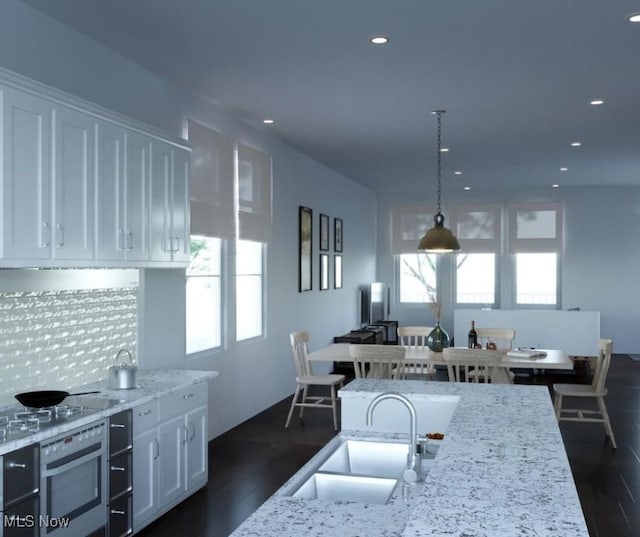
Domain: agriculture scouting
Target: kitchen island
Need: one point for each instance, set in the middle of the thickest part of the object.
(501, 471)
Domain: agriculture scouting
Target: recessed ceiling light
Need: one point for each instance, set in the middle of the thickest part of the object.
(457, 172)
(555, 186)
(576, 144)
(564, 169)
(597, 102)
(379, 40)
(267, 121)
(634, 17)
(467, 188)
(444, 149)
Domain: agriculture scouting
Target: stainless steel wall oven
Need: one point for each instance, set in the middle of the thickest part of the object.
(73, 486)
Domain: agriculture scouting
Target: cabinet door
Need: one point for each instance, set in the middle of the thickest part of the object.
(26, 176)
(73, 184)
(145, 478)
(171, 479)
(160, 196)
(180, 222)
(109, 179)
(136, 186)
(196, 456)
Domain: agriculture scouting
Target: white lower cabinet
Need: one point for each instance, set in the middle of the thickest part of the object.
(170, 459)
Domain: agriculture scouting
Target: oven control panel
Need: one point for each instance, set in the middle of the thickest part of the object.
(73, 441)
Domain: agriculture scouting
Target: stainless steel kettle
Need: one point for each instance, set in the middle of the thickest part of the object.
(122, 376)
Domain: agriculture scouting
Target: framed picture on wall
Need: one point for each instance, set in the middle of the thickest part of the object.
(337, 234)
(337, 272)
(305, 228)
(324, 232)
(324, 272)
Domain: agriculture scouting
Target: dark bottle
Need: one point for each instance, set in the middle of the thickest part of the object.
(473, 336)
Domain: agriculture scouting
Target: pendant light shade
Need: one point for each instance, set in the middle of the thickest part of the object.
(439, 239)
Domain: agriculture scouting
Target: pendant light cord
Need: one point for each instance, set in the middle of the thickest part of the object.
(439, 114)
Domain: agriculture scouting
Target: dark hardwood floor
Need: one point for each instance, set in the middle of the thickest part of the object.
(248, 463)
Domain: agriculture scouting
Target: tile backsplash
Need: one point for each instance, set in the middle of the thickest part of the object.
(62, 339)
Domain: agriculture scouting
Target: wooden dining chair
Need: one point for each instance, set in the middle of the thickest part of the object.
(415, 337)
(596, 390)
(305, 378)
(471, 365)
(501, 338)
(377, 361)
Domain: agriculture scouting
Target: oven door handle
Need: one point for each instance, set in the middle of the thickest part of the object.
(93, 454)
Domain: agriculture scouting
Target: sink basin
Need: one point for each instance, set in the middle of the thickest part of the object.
(379, 459)
(347, 488)
(354, 470)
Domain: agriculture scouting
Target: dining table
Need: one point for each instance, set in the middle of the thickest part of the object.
(544, 358)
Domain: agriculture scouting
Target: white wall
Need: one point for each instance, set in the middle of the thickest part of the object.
(253, 374)
(599, 266)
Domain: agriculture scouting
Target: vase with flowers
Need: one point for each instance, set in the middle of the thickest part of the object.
(437, 339)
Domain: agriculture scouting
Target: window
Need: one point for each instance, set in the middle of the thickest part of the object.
(476, 279)
(203, 300)
(249, 270)
(536, 279)
(417, 277)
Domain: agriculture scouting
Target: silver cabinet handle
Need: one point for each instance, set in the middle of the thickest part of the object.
(156, 444)
(129, 240)
(118, 469)
(46, 231)
(186, 434)
(121, 240)
(117, 512)
(193, 434)
(175, 240)
(117, 426)
(145, 413)
(16, 465)
(60, 233)
(187, 396)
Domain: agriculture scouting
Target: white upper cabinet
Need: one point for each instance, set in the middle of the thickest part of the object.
(26, 176)
(73, 185)
(169, 218)
(121, 183)
(77, 185)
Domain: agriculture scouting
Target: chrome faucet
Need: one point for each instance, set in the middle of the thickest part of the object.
(412, 471)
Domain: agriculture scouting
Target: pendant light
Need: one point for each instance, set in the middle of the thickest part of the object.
(439, 239)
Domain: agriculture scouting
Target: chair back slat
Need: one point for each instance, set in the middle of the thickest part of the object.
(460, 362)
(299, 347)
(413, 336)
(502, 337)
(605, 348)
(381, 359)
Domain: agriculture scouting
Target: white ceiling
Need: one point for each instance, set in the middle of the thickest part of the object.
(515, 77)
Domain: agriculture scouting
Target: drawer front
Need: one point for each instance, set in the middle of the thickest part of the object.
(20, 474)
(120, 472)
(120, 517)
(179, 402)
(22, 519)
(120, 432)
(145, 416)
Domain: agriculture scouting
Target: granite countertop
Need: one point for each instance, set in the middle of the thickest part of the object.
(152, 383)
(501, 471)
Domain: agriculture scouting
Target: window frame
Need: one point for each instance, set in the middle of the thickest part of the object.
(514, 286)
(496, 283)
(263, 266)
(223, 302)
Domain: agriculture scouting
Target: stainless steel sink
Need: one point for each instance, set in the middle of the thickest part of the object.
(379, 459)
(352, 488)
(356, 471)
